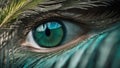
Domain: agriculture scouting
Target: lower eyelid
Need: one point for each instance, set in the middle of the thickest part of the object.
(68, 45)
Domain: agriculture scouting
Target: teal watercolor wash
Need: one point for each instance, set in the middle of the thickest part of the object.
(49, 34)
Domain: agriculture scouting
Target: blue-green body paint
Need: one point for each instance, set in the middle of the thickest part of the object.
(92, 52)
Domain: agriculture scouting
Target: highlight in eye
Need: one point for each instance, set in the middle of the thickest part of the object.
(49, 34)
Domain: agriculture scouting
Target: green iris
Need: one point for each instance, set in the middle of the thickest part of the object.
(49, 34)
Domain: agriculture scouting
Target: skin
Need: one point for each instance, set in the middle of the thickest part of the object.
(97, 47)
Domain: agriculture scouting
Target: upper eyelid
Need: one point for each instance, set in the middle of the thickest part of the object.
(90, 22)
(84, 15)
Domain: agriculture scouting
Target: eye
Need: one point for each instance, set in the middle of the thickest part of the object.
(49, 34)
(53, 34)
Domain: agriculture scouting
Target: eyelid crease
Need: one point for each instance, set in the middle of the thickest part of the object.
(77, 18)
(89, 21)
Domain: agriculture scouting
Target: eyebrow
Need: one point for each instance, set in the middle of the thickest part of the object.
(107, 8)
(82, 4)
(101, 10)
(96, 7)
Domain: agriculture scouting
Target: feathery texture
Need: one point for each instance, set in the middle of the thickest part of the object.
(100, 50)
(14, 8)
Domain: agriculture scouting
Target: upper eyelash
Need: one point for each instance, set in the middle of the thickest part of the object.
(34, 14)
(59, 15)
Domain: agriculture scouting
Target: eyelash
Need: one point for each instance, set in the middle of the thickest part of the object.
(41, 18)
(29, 22)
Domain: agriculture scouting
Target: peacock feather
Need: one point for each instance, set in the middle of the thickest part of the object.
(14, 8)
(59, 34)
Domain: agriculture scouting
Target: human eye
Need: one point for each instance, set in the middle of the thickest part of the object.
(53, 33)
(60, 34)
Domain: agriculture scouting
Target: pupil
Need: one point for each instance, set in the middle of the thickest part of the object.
(47, 32)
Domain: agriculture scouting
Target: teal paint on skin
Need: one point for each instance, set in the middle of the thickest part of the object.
(84, 51)
(49, 34)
